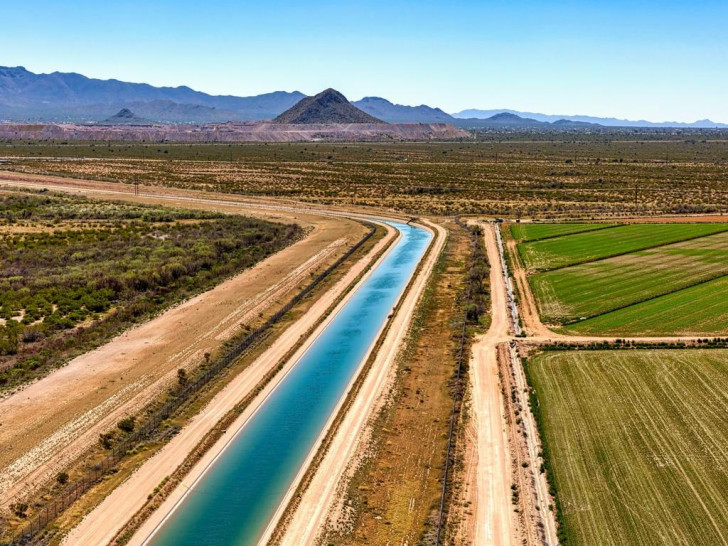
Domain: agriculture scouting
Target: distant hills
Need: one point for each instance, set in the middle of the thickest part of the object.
(592, 120)
(509, 120)
(73, 97)
(126, 117)
(61, 97)
(329, 106)
(398, 113)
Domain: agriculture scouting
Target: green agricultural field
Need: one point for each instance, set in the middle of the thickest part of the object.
(594, 245)
(637, 444)
(74, 272)
(536, 232)
(601, 286)
(698, 310)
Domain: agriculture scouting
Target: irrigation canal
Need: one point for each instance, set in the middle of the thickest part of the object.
(233, 502)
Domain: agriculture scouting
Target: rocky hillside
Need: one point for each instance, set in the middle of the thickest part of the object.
(126, 117)
(235, 132)
(329, 106)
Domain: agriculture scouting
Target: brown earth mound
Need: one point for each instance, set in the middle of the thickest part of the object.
(329, 106)
(234, 132)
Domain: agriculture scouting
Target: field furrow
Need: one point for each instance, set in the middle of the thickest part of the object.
(698, 310)
(637, 440)
(598, 287)
(536, 232)
(594, 245)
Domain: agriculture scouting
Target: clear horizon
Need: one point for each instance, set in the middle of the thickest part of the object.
(656, 61)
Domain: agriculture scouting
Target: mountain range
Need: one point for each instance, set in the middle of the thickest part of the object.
(59, 97)
(606, 122)
(509, 120)
(73, 97)
(398, 113)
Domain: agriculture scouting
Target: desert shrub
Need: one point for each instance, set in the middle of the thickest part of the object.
(127, 424)
(106, 440)
(73, 286)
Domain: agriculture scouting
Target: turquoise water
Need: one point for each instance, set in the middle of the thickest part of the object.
(233, 502)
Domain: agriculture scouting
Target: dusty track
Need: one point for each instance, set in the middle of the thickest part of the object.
(489, 468)
(487, 472)
(488, 491)
(328, 483)
(529, 312)
(103, 523)
(51, 422)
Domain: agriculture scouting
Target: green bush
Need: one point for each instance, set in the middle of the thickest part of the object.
(112, 274)
(127, 425)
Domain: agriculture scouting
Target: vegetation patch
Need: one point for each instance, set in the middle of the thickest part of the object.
(591, 286)
(595, 245)
(636, 442)
(98, 267)
(586, 290)
(535, 232)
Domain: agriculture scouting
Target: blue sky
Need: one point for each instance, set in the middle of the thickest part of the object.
(655, 60)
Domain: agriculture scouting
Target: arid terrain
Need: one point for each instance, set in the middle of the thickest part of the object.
(106, 521)
(123, 376)
(602, 175)
(449, 432)
(235, 132)
(363, 273)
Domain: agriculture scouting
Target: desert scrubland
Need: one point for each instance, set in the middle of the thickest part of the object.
(587, 347)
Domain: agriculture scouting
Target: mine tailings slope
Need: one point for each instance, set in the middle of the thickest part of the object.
(235, 132)
(236, 497)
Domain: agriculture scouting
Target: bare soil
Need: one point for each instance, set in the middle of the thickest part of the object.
(51, 422)
(235, 132)
(102, 524)
(489, 517)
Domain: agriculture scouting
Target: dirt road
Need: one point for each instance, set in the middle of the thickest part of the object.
(105, 520)
(489, 493)
(540, 499)
(49, 423)
(529, 312)
(101, 525)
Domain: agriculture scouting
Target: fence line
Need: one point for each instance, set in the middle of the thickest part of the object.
(462, 343)
(152, 425)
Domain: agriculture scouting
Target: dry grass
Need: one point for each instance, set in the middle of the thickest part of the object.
(394, 494)
(611, 174)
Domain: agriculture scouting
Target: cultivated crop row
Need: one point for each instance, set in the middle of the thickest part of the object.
(595, 245)
(637, 441)
(595, 288)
